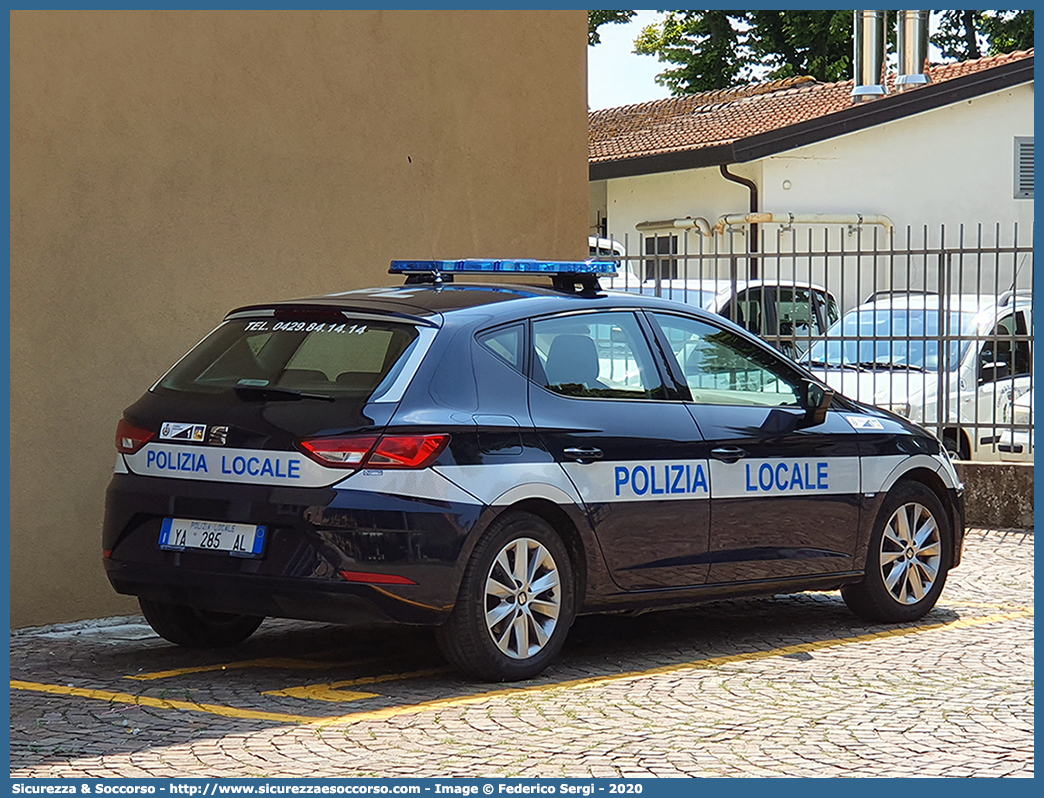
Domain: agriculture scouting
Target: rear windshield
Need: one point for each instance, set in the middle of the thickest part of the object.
(335, 357)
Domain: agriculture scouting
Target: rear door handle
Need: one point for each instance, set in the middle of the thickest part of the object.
(728, 454)
(582, 455)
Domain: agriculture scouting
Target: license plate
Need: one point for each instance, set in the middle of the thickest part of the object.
(237, 540)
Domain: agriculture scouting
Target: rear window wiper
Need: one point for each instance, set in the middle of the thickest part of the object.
(247, 390)
(822, 364)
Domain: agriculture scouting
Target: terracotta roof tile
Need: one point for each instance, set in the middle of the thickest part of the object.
(707, 119)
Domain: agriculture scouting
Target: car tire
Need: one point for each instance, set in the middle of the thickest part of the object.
(953, 446)
(516, 602)
(908, 557)
(193, 628)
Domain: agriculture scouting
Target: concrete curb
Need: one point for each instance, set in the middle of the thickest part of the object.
(997, 495)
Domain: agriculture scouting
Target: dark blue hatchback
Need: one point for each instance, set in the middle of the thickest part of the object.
(494, 459)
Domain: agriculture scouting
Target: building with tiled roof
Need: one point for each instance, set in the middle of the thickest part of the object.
(955, 151)
(715, 122)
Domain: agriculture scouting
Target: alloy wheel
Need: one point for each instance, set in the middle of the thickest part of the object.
(911, 553)
(523, 598)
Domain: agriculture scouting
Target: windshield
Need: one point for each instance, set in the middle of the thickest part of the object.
(895, 337)
(331, 357)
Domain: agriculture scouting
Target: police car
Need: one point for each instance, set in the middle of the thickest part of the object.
(493, 459)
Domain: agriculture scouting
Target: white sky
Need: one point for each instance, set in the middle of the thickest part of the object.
(615, 75)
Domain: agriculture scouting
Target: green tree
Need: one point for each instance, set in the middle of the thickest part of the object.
(706, 46)
(793, 43)
(595, 20)
(708, 50)
(972, 34)
(958, 34)
(1008, 31)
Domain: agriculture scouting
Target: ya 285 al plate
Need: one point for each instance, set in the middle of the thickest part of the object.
(237, 540)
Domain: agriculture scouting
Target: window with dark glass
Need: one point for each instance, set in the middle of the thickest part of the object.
(723, 368)
(505, 343)
(595, 355)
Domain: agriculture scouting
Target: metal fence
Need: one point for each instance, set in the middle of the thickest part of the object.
(936, 325)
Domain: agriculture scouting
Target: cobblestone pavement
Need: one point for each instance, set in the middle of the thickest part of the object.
(793, 685)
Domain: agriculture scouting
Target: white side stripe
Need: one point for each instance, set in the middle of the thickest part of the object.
(646, 480)
(427, 483)
(881, 473)
(807, 476)
(506, 483)
(218, 464)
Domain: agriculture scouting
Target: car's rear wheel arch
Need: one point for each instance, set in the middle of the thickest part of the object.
(567, 531)
(559, 521)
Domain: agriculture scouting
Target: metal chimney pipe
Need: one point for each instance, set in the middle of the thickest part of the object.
(868, 57)
(912, 44)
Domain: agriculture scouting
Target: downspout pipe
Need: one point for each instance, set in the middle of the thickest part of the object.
(752, 187)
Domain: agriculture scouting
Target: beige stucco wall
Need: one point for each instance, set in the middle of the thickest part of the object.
(166, 166)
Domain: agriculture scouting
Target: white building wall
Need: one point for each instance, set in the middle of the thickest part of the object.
(951, 166)
(694, 192)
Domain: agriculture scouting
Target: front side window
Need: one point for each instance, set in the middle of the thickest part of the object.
(1003, 353)
(595, 355)
(723, 368)
(794, 312)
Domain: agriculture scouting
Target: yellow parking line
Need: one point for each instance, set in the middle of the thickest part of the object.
(985, 605)
(281, 663)
(334, 691)
(478, 698)
(592, 681)
(161, 703)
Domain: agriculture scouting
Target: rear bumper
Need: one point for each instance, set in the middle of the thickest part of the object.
(312, 536)
(327, 601)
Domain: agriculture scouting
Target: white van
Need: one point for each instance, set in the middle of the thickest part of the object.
(956, 364)
(788, 314)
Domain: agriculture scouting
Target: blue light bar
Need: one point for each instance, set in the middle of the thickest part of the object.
(595, 268)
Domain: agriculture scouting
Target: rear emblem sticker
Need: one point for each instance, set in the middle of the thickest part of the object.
(177, 431)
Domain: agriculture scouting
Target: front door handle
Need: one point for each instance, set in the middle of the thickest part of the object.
(728, 454)
(583, 455)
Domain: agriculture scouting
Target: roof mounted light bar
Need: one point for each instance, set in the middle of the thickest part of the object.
(565, 275)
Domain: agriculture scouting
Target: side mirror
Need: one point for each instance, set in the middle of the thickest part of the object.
(817, 401)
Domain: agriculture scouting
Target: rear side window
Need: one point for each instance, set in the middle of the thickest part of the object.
(505, 343)
(335, 357)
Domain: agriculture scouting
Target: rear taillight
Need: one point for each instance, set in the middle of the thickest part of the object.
(407, 451)
(130, 438)
(390, 451)
(338, 452)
